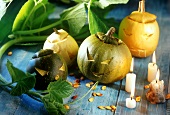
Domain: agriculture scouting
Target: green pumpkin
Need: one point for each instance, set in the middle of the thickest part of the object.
(48, 66)
(103, 58)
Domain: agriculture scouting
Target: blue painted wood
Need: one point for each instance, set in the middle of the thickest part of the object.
(115, 93)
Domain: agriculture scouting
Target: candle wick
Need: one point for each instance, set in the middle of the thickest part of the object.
(156, 81)
(131, 98)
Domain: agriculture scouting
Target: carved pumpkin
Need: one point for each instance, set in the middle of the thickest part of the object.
(103, 58)
(140, 32)
(64, 44)
(48, 67)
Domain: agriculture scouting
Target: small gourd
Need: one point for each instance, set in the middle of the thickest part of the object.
(64, 44)
(140, 32)
(48, 66)
(104, 58)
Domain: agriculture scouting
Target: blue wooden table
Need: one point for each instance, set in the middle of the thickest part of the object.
(115, 93)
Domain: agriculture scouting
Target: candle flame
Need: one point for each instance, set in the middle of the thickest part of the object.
(154, 57)
(157, 75)
(132, 64)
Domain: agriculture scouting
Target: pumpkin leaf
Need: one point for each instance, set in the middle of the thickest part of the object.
(89, 57)
(75, 17)
(105, 3)
(25, 81)
(60, 87)
(53, 107)
(6, 22)
(96, 24)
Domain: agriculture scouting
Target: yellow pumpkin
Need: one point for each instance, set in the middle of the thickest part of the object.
(140, 32)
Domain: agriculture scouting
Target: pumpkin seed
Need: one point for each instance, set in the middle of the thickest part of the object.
(74, 97)
(94, 94)
(9, 53)
(87, 85)
(101, 107)
(67, 107)
(138, 98)
(146, 87)
(168, 96)
(81, 78)
(113, 107)
(99, 94)
(91, 83)
(77, 81)
(91, 99)
(108, 107)
(103, 87)
(76, 85)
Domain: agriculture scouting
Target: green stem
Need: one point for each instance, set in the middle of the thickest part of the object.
(33, 93)
(26, 32)
(20, 40)
(84, 94)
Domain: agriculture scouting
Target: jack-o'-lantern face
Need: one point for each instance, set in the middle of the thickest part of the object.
(140, 32)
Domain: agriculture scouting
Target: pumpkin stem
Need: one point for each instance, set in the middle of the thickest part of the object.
(141, 7)
(55, 30)
(110, 32)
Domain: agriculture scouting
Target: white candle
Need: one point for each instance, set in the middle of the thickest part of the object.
(152, 69)
(130, 79)
(130, 102)
(157, 75)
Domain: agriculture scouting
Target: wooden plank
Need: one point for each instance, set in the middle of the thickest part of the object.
(115, 93)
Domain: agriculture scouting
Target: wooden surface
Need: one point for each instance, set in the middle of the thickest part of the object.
(115, 93)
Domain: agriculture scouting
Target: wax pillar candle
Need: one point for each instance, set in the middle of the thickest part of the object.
(130, 102)
(130, 78)
(152, 69)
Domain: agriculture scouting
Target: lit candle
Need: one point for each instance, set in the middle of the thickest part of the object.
(130, 102)
(152, 68)
(156, 92)
(130, 78)
(155, 82)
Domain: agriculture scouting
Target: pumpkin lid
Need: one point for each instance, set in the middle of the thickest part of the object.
(142, 17)
(57, 35)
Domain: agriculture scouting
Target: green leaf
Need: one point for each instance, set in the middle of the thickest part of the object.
(25, 81)
(15, 73)
(32, 15)
(54, 97)
(96, 24)
(53, 108)
(60, 87)
(75, 17)
(7, 20)
(105, 3)
(2, 8)
(24, 85)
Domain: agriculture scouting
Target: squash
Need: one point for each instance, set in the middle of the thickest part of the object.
(104, 58)
(48, 66)
(140, 32)
(64, 44)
